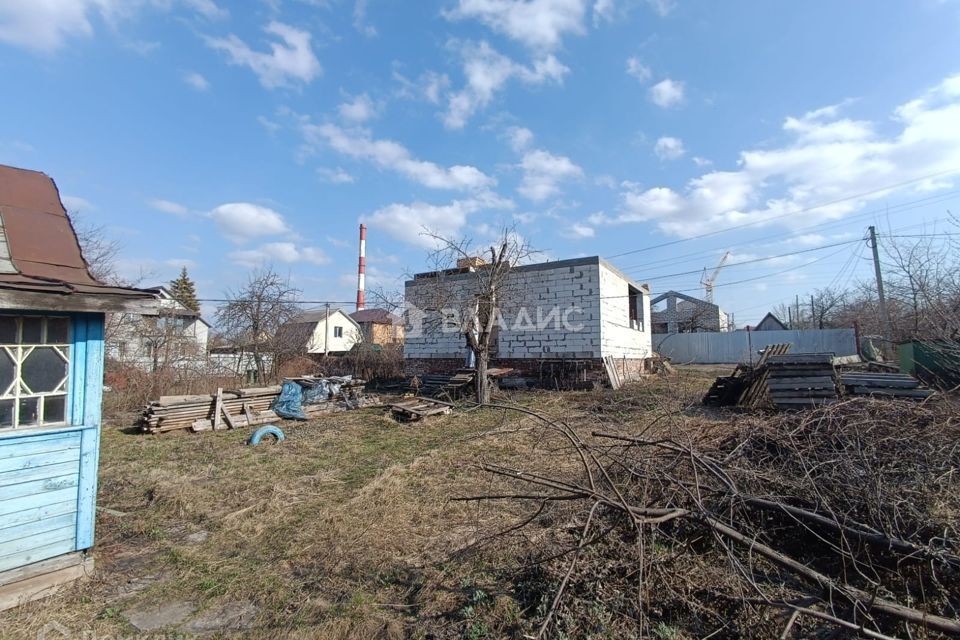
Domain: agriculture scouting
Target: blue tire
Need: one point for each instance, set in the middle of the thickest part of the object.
(268, 430)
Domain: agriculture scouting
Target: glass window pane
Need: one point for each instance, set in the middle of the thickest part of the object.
(54, 408)
(7, 371)
(57, 330)
(31, 330)
(6, 413)
(28, 411)
(43, 370)
(8, 330)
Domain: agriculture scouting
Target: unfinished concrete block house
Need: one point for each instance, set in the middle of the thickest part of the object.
(559, 320)
(51, 383)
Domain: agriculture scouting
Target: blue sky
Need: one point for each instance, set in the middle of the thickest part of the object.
(223, 135)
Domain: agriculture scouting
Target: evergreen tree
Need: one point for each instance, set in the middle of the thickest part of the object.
(184, 291)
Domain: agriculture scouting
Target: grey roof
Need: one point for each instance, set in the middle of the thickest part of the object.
(312, 316)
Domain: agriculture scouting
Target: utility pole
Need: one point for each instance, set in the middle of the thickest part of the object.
(813, 313)
(797, 307)
(884, 316)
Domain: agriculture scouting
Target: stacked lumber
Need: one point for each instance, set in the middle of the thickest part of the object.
(241, 407)
(801, 380)
(413, 409)
(755, 395)
(870, 383)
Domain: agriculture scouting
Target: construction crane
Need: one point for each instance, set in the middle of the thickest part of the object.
(708, 282)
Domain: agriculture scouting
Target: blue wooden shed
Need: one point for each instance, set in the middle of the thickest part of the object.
(52, 318)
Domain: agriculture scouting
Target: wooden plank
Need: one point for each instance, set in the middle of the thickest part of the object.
(78, 365)
(803, 380)
(217, 408)
(867, 382)
(41, 539)
(93, 372)
(229, 418)
(801, 385)
(41, 512)
(13, 478)
(14, 447)
(36, 487)
(39, 553)
(12, 506)
(39, 568)
(10, 534)
(23, 463)
(87, 490)
(41, 582)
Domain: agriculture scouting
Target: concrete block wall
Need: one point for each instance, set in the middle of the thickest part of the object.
(550, 310)
(618, 338)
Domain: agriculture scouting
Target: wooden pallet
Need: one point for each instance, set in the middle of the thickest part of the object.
(413, 409)
(755, 394)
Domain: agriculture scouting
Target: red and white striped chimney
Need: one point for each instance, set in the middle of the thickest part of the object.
(361, 281)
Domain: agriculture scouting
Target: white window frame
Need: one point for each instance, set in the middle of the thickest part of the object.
(18, 389)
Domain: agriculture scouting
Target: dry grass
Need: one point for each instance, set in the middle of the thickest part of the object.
(346, 530)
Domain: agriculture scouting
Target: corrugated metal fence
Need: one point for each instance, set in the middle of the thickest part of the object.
(736, 346)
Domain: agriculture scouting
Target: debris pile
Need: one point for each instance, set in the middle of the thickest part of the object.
(241, 408)
(835, 522)
(412, 409)
(801, 380)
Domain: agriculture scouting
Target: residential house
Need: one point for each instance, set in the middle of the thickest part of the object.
(555, 316)
(321, 331)
(52, 317)
(379, 326)
(675, 312)
(770, 322)
(171, 335)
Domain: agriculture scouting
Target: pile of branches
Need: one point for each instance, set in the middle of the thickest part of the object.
(837, 522)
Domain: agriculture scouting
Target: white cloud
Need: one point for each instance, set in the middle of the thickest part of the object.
(207, 8)
(637, 69)
(45, 25)
(387, 154)
(701, 162)
(360, 19)
(662, 7)
(167, 206)
(602, 11)
(669, 148)
(282, 252)
(487, 71)
(580, 231)
(519, 138)
(196, 80)
(829, 167)
(537, 24)
(667, 93)
(543, 173)
(76, 204)
(410, 222)
(335, 176)
(359, 109)
(429, 86)
(290, 61)
(243, 221)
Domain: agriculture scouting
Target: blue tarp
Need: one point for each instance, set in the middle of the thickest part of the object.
(289, 404)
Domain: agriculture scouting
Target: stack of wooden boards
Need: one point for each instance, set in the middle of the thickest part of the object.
(870, 383)
(756, 393)
(801, 380)
(236, 408)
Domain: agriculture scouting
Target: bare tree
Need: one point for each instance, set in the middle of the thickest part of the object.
(254, 313)
(476, 308)
(824, 304)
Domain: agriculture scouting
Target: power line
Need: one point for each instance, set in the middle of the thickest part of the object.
(783, 215)
(802, 231)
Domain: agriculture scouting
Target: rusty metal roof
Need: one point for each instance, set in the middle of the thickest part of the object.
(39, 251)
(375, 316)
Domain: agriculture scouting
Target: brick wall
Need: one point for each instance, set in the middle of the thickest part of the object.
(618, 338)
